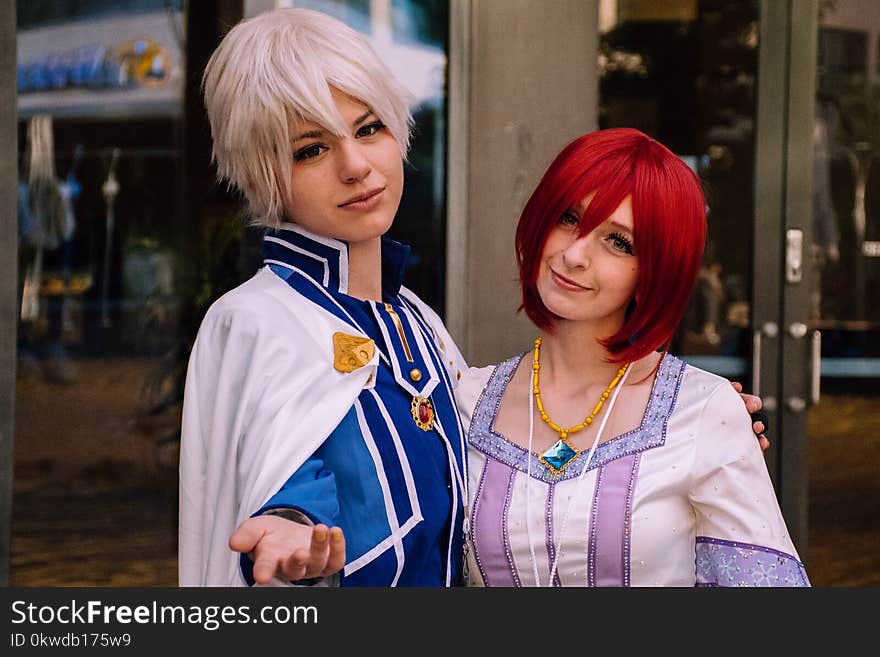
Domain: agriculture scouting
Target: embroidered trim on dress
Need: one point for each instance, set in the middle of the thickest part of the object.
(627, 521)
(730, 563)
(473, 524)
(594, 514)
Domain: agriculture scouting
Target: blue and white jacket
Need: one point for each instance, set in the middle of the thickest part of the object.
(269, 422)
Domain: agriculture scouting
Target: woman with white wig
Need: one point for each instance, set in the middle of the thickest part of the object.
(319, 394)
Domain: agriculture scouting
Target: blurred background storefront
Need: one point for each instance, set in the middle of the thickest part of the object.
(122, 239)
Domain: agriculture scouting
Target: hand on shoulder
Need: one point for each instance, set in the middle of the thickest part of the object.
(754, 404)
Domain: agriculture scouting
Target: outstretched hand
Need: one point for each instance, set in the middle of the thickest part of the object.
(289, 550)
(753, 406)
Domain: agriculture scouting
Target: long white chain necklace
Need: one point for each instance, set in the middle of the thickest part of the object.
(577, 485)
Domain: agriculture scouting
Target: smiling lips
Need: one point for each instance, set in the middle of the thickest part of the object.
(366, 201)
(567, 283)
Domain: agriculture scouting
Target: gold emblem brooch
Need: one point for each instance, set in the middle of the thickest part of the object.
(351, 352)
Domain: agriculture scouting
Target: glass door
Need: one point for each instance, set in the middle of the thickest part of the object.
(843, 253)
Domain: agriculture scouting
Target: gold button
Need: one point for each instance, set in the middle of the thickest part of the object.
(415, 375)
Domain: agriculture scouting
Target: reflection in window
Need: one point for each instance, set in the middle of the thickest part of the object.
(33, 13)
(421, 22)
(845, 251)
(354, 13)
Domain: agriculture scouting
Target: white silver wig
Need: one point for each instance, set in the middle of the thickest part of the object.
(276, 69)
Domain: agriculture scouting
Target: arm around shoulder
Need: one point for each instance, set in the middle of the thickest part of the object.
(741, 536)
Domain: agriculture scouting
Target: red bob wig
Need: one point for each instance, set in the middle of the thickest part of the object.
(669, 228)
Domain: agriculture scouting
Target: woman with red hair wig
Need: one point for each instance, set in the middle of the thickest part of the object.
(597, 458)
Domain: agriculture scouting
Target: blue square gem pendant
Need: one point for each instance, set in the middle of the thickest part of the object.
(558, 456)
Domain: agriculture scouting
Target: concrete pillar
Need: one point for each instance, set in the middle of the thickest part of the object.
(522, 84)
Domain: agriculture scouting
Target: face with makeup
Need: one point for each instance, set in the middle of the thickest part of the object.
(349, 187)
(590, 278)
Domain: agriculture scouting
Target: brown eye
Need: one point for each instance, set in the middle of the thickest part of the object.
(370, 129)
(313, 150)
(569, 220)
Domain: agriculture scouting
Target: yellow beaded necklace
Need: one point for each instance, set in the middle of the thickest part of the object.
(562, 452)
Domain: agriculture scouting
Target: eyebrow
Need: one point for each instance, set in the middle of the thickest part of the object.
(317, 134)
(363, 117)
(311, 134)
(628, 229)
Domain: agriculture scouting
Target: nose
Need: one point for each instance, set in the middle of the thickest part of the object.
(577, 255)
(354, 165)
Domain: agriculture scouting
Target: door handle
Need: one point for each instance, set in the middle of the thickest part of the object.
(794, 255)
(756, 363)
(816, 366)
(770, 330)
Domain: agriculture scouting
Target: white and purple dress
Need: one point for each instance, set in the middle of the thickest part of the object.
(683, 500)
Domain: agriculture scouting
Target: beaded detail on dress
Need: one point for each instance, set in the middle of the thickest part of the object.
(650, 433)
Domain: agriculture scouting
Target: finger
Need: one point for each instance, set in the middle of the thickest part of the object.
(336, 559)
(737, 386)
(752, 402)
(294, 567)
(758, 427)
(760, 417)
(265, 568)
(764, 443)
(319, 550)
(246, 537)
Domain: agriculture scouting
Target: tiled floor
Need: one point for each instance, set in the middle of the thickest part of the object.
(96, 503)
